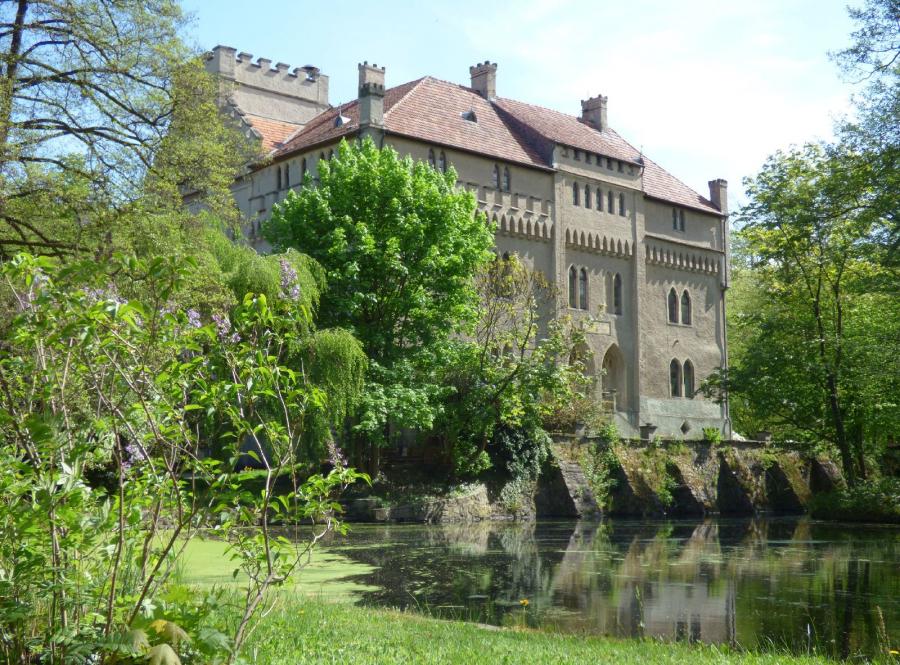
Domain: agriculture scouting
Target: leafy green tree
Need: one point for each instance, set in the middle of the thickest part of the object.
(806, 360)
(512, 375)
(107, 115)
(400, 245)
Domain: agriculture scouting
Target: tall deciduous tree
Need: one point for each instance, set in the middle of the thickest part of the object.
(400, 246)
(806, 361)
(100, 104)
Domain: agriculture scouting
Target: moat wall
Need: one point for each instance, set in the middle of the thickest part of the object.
(636, 479)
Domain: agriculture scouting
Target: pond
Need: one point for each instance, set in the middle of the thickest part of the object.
(790, 584)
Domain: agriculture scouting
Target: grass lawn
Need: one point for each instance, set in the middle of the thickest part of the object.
(302, 631)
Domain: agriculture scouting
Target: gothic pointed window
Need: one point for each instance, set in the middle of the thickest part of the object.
(610, 202)
(599, 198)
(303, 168)
(495, 177)
(617, 294)
(675, 378)
(287, 176)
(583, 288)
(575, 197)
(673, 306)
(431, 160)
(686, 308)
(573, 296)
(506, 179)
(688, 379)
(278, 178)
(622, 204)
(442, 162)
(587, 196)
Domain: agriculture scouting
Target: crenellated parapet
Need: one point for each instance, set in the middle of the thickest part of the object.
(687, 260)
(279, 91)
(598, 243)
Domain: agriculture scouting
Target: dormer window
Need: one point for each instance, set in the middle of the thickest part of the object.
(341, 120)
(470, 116)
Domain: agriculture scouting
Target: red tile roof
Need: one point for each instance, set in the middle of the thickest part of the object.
(272, 132)
(431, 110)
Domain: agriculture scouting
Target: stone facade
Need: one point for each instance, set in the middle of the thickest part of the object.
(569, 196)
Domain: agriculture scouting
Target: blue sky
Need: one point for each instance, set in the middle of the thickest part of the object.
(708, 88)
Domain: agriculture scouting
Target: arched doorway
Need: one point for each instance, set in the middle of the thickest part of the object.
(614, 388)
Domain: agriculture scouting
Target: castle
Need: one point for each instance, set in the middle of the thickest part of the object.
(636, 253)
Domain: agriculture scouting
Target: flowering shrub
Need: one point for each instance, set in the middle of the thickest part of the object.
(108, 406)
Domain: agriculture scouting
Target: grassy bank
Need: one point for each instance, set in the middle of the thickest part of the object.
(312, 631)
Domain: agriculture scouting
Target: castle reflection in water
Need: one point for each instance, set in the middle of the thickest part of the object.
(787, 583)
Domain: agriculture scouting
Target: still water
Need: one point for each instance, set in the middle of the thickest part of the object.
(779, 583)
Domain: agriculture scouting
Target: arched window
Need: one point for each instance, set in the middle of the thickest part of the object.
(496, 177)
(506, 180)
(287, 176)
(587, 196)
(617, 294)
(599, 200)
(583, 288)
(686, 308)
(573, 296)
(675, 378)
(442, 162)
(610, 202)
(622, 204)
(575, 197)
(689, 379)
(431, 160)
(673, 306)
(278, 178)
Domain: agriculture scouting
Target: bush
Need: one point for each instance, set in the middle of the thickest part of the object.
(875, 501)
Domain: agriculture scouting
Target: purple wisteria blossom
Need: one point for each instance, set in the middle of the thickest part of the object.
(336, 455)
(131, 453)
(223, 328)
(289, 284)
(193, 318)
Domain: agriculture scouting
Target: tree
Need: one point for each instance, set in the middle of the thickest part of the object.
(400, 246)
(805, 358)
(102, 105)
(512, 375)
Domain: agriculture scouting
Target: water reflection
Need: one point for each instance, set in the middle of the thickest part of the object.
(756, 583)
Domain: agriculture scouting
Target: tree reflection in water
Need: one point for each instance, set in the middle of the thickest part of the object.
(755, 583)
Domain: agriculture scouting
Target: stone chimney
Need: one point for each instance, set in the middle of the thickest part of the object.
(593, 112)
(484, 79)
(371, 98)
(718, 194)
